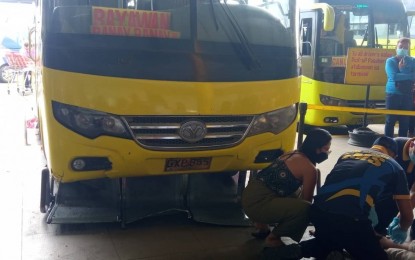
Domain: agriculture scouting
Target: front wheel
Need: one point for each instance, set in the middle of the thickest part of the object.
(45, 195)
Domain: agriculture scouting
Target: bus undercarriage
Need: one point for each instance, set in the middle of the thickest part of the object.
(209, 198)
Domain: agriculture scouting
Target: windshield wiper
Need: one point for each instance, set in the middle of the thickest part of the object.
(244, 49)
(215, 19)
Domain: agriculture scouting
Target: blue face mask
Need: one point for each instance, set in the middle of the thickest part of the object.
(402, 52)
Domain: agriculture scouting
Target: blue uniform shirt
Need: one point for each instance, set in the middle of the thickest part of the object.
(393, 74)
(404, 160)
(358, 180)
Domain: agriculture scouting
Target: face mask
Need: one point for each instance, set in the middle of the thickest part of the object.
(402, 52)
(321, 157)
(412, 156)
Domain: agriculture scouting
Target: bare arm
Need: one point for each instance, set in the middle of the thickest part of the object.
(309, 183)
(405, 211)
(303, 170)
(412, 195)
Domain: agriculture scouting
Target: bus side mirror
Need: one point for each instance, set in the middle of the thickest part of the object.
(329, 15)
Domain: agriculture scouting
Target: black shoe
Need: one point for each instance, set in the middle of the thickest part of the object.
(289, 252)
(260, 234)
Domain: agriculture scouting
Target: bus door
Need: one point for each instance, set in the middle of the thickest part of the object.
(308, 31)
(411, 27)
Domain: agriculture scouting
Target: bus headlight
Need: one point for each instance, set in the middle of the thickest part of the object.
(275, 121)
(89, 123)
(331, 101)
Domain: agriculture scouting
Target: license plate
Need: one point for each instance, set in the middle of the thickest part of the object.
(187, 164)
(359, 121)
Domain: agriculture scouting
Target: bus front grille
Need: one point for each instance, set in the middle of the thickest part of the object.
(374, 104)
(166, 132)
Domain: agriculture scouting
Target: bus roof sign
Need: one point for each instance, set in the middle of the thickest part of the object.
(361, 6)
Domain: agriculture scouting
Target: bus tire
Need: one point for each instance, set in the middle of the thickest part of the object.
(352, 127)
(45, 196)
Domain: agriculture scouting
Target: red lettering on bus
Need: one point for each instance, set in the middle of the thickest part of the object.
(164, 21)
(110, 17)
(132, 19)
(120, 16)
(98, 17)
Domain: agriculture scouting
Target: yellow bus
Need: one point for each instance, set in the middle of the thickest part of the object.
(410, 11)
(155, 106)
(366, 23)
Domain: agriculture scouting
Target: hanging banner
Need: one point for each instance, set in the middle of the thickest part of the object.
(366, 66)
(127, 22)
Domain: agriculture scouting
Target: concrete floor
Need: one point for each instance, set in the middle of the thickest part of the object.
(25, 235)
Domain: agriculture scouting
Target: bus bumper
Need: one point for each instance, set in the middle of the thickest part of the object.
(206, 197)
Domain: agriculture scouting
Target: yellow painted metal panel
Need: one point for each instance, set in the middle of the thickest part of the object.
(147, 97)
(312, 89)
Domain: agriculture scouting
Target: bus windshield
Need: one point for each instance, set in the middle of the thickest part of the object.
(207, 40)
(350, 31)
(362, 26)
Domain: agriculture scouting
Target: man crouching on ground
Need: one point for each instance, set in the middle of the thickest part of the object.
(340, 212)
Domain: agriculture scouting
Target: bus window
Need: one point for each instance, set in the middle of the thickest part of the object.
(306, 36)
(349, 31)
(359, 26)
(332, 42)
(156, 4)
(387, 35)
(103, 3)
(349, 35)
(411, 24)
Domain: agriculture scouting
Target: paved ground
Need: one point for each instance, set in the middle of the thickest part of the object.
(25, 235)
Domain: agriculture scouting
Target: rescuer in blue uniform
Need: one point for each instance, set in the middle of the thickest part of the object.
(340, 212)
(387, 209)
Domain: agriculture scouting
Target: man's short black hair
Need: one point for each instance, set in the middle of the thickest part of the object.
(388, 143)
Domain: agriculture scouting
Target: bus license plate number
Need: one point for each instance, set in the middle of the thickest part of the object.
(187, 164)
(359, 121)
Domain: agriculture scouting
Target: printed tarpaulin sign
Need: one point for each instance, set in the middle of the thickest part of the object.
(127, 22)
(366, 66)
(338, 61)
